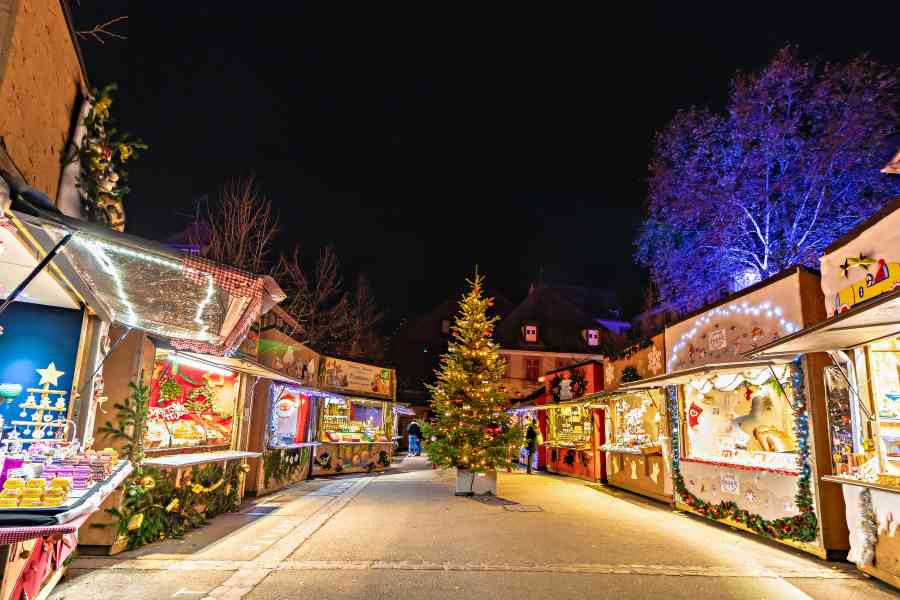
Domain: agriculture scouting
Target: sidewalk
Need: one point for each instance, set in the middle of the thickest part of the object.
(404, 534)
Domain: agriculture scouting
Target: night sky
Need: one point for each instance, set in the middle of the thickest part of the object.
(423, 139)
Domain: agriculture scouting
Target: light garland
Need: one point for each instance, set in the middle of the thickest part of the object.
(765, 309)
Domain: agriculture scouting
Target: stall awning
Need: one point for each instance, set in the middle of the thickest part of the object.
(244, 365)
(686, 375)
(876, 319)
(198, 304)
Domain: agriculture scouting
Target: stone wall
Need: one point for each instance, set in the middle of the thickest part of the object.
(41, 86)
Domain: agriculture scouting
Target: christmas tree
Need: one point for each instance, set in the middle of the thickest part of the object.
(473, 430)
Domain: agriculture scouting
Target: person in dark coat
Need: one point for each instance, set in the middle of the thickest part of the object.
(531, 442)
(415, 435)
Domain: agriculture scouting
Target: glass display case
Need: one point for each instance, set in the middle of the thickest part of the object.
(353, 420)
(192, 404)
(741, 419)
(570, 426)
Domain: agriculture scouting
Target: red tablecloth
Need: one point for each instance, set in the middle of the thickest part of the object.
(11, 535)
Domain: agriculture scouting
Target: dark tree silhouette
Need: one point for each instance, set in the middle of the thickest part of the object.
(790, 166)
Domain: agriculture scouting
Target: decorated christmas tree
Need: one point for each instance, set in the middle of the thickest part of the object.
(473, 429)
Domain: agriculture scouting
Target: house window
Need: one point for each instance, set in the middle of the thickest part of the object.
(508, 359)
(532, 368)
(530, 333)
(593, 337)
(445, 327)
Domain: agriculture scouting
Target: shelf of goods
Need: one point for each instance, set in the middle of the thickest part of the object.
(571, 441)
(356, 436)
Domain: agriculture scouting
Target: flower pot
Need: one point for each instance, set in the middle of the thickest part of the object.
(469, 483)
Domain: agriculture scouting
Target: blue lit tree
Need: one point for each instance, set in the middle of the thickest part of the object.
(791, 165)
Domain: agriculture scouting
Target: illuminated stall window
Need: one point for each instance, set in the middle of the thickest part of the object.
(353, 420)
(884, 361)
(636, 422)
(741, 418)
(191, 404)
(289, 413)
(570, 426)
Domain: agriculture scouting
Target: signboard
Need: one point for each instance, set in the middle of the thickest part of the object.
(353, 377)
(864, 267)
(281, 353)
(727, 331)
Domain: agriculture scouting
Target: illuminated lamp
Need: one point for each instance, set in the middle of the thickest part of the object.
(198, 364)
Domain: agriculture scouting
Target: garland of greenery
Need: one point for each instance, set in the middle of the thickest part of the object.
(577, 385)
(156, 504)
(284, 464)
(802, 527)
(630, 373)
(102, 156)
(629, 351)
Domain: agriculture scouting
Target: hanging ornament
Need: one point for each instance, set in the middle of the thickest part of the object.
(694, 413)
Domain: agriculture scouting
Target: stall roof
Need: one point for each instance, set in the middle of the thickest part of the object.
(199, 304)
(686, 375)
(876, 319)
(242, 365)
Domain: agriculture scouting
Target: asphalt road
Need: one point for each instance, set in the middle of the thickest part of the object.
(403, 534)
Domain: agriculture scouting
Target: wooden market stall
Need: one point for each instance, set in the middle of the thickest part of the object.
(638, 451)
(356, 418)
(747, 434)
(572, 425)
(51, 479)
(861, 287)
(283, 415)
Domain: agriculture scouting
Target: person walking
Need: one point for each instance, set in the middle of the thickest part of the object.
(415, 435)
(532, 439)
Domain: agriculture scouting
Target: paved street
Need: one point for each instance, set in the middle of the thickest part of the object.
(403, 534)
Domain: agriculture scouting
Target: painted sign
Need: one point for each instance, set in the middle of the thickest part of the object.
(726, 332)
(280, 353)
(354, 377)
(38, 353)
(864, 267)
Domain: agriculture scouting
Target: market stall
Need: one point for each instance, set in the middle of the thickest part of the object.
(860, 280)
(51, 480)
(355, 418)
(573, 426)
(169, 311)
(637, 424)
(744, 432)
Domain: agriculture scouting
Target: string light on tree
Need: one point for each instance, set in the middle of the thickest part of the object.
(473, 429)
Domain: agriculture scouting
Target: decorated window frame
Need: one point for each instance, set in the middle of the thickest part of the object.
(741, 419)
(354, 420)
(290, 409)
(193, 405)
(570, 426)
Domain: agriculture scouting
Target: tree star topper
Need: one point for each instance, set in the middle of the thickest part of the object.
(50, 375)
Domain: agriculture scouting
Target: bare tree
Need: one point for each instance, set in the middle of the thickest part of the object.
(319, 302)
(242, 226)
(101, 32)
(366, 316)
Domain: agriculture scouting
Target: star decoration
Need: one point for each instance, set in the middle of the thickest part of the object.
(50, 375)
(845, 268)
(862, 261)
